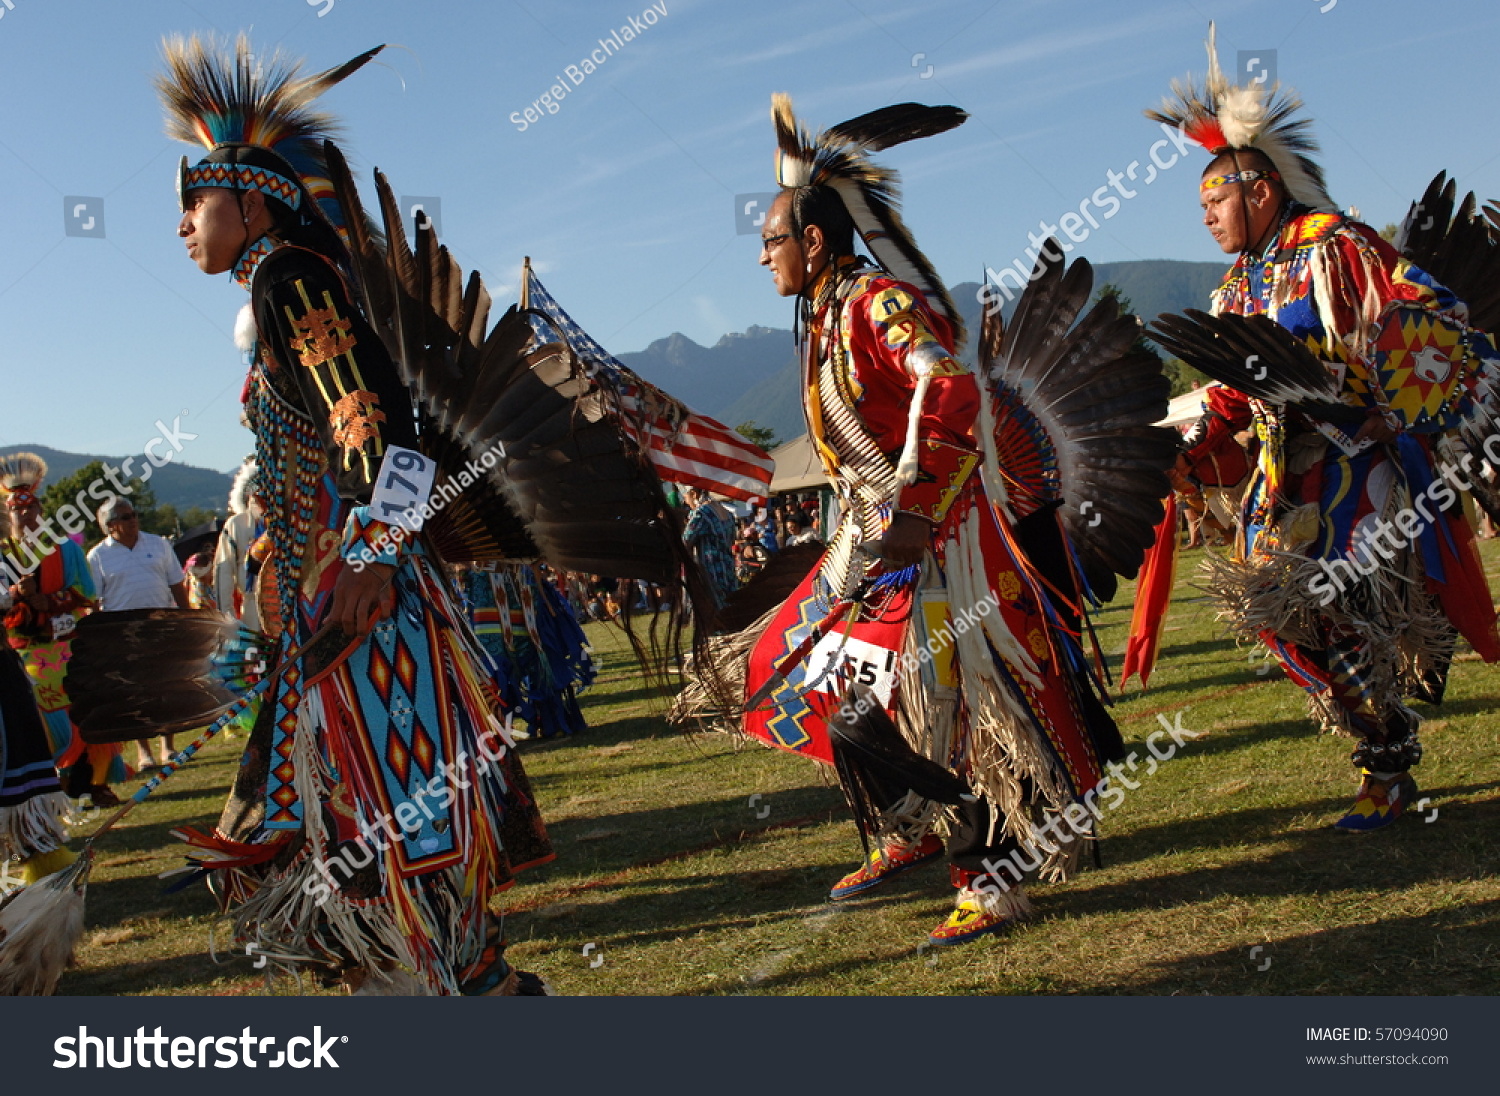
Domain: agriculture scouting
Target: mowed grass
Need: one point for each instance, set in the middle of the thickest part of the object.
(668, 879)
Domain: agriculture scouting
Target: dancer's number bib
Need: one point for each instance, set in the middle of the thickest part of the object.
(403, 487)
(836, 663)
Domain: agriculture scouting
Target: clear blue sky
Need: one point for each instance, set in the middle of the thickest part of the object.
(625, 196)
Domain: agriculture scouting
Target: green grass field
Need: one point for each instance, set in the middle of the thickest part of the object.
(667, 867)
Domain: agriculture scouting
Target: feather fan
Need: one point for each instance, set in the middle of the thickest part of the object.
(143, 672)
(1256, 356)
(40, 927)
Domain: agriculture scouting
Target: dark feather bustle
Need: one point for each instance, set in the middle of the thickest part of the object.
(1454, 243)
(1075, 406)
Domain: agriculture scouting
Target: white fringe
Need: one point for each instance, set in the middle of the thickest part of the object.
(1401, 628)
(283, 918)
(1002, 745)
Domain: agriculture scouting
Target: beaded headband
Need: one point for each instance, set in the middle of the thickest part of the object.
(241, 177)
(1236, 177)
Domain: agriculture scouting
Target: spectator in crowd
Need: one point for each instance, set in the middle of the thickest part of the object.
(710, 534)
(797, 531)
(750, 554)
(45, 606)
(768, 525)
(135, 570)
(199, 575)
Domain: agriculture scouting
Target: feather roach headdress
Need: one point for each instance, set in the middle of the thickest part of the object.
(1225, 117)
(254, 115)
(838, 158)
(21, 476)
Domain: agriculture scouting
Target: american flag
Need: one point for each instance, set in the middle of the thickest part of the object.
(684, 446)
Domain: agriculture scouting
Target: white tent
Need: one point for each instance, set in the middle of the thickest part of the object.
(797, 467)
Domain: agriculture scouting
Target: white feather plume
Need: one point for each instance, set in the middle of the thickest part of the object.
(245, 334)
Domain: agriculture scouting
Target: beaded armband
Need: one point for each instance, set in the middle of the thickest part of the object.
(369, 540)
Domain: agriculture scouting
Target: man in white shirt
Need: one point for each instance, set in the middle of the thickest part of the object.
(135, 570)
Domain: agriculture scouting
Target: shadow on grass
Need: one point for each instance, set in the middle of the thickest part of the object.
(147, 975)
(608, 843)
(1442, 951)
(1297, 861)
